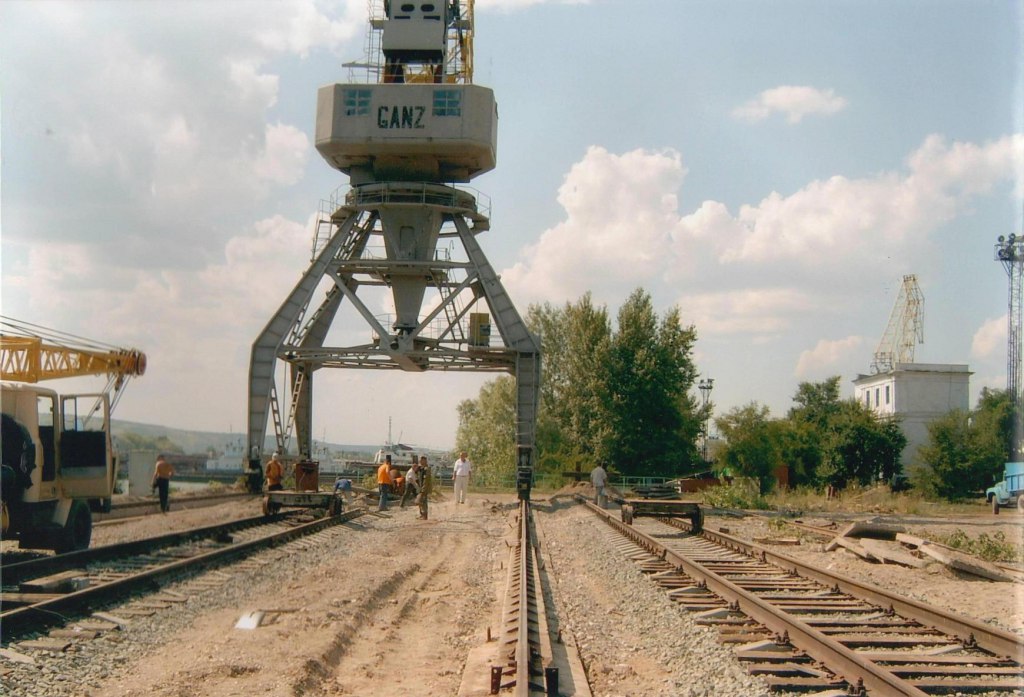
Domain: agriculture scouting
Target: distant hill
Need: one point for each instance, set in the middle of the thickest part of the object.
(201, 442)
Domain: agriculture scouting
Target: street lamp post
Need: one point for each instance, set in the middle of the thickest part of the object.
(705, 393)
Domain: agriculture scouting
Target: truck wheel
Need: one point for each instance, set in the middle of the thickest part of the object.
(77, 531)
(995, 506)
(1020, 503)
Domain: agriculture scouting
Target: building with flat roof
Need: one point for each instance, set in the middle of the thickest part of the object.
(916, 394)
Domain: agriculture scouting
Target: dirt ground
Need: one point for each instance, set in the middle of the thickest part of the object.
(396, 607)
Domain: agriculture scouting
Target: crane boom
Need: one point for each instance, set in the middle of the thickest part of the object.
(905, 328)
(30, 353)
(28, 359)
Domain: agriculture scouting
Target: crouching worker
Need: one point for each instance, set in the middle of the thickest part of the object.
(344, 487)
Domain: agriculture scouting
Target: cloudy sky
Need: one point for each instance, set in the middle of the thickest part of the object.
(772, 168)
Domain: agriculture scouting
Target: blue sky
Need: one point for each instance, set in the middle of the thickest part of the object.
(772, 168)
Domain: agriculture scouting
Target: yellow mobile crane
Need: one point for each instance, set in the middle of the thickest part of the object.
(57, 460)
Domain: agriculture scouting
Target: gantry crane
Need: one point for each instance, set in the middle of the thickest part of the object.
(57, 455)
(905, 329)
(416, 127)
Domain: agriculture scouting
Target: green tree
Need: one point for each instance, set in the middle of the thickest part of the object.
(815, 407)
(967, 450)
(754, 443)
(575, 341)
(652, 422)
(487, 430)
(860, 447)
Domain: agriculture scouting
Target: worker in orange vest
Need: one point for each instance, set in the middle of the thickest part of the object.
(275, 473)
(384, 482)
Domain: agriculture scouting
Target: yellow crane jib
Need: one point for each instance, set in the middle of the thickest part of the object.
(30, 359)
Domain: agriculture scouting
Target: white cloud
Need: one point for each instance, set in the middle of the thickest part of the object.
(794, 101)
(761, 311)
(828, 356)
(624, 229)
(885, 215)
(620, 210)
(990, 339)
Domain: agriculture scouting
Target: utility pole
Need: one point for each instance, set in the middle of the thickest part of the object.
(705, 386)
(1009, 252)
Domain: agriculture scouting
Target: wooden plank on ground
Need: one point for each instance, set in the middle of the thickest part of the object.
(27, 598)
(854, 547)
(45, 644)
(962, 562)
(887, 553)
(64, 581)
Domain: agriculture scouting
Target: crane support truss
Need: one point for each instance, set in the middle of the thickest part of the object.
(295, 336)
(905, 328)
(1010, 253)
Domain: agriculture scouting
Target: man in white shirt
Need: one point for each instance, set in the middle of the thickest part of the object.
(599, 479)
(461, 471)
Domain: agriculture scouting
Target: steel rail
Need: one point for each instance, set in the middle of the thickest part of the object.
(49, 612)
(522, 655)
(840, 659)
(993, 639)
(11, 574)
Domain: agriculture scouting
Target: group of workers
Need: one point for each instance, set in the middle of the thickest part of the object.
(417, 483)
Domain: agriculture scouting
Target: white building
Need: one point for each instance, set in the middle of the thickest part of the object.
(917, 393)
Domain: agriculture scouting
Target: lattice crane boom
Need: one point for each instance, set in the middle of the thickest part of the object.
(31, 353)
(905, 328)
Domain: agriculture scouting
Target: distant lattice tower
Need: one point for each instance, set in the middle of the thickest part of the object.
(905, 329)
(1010, 252)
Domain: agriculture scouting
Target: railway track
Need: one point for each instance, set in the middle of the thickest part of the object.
(45, 591)
(532, 658)
(131, 509)
(805, 629)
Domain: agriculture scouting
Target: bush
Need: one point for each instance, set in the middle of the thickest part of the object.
(732, 497)
(994, 548)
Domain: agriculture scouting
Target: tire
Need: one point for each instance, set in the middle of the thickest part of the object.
(1020, 503)
(995, 505)
(77, 531)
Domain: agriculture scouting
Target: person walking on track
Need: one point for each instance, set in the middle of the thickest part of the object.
(162, 474)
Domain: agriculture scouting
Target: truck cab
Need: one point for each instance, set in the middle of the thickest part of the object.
(1008, 491)
(57, 465)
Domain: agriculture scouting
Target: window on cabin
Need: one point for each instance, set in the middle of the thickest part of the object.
(447, 103)
(357, 102)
